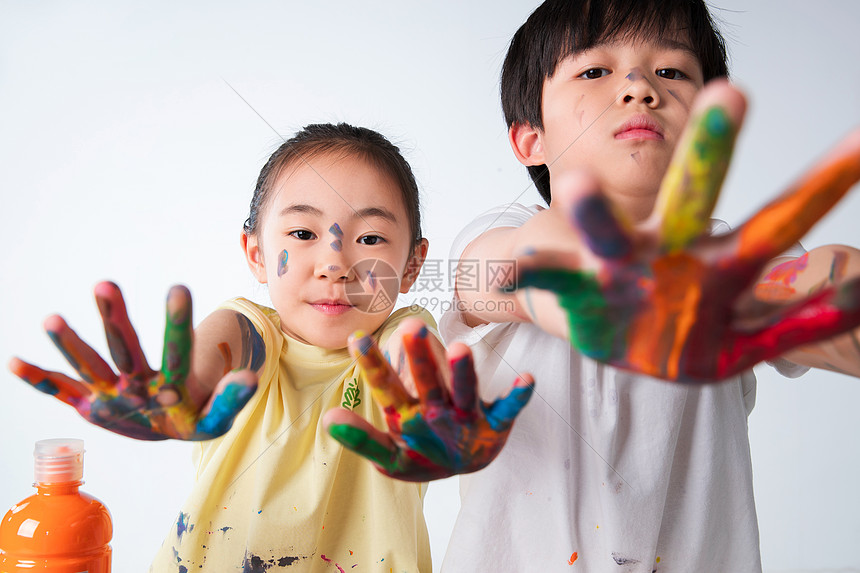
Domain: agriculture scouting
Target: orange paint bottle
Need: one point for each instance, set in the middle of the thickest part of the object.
(60, 529)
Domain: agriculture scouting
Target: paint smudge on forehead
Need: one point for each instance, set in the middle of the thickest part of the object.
(282, 263)
(337, 244)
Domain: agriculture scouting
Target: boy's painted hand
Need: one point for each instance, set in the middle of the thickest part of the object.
(438, 434)
(668, 300)
(139, 402)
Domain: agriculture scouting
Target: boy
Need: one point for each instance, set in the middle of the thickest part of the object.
(612, 470)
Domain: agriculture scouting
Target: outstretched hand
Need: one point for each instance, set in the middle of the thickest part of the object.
(439, 433)
(139, 402)
(663, 297)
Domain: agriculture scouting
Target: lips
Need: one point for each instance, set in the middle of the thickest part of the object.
(331, 306)
(640, 127)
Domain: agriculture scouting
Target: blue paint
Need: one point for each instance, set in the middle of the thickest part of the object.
(224, 409)
(500, 415)
(282, 263)
(47, 387)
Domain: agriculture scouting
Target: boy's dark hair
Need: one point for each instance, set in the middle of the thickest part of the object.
(344, 140)
(559, 28)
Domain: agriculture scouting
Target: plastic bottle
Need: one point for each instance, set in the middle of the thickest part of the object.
(60, 529)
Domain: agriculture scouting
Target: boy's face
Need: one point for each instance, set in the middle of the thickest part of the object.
(326, 215)
(618, 110)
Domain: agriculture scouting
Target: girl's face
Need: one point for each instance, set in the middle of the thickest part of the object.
(335, 248)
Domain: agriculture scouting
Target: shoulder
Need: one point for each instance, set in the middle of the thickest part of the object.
(510, 215)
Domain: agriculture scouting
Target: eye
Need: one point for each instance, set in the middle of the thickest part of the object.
(594, 73)
(671, 74)
(303, 235)
(371, 240)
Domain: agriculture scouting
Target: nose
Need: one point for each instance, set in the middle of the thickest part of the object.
(332, 264)
(640, 90)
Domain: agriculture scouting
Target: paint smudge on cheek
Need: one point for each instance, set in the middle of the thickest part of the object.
(337, 244)
(282, 263)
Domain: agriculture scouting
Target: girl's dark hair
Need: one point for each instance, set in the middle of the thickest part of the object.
(560, 28)
(346, 140)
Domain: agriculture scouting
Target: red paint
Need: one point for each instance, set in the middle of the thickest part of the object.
(573, 557)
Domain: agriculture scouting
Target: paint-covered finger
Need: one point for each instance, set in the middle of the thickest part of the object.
(692, 183)
(502, 413)
(230, 396)
(386, 386)
(79, 354)
(591, 215)
(782, 222)
(464, 381)
(72, 392)
(178, 334)
(422, 366)
(356, 434)
(122, 339)
(602, 231)
(590, 320)
(825, 314)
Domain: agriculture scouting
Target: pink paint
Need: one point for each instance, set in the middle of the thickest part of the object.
(327, 560)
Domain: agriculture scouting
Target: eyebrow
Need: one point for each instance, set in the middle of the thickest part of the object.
(300, 208)
(367, 212)
(671, 44)
(378, 212)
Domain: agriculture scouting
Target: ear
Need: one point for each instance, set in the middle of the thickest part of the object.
(413, 265)
(254, 256)
(527, 143)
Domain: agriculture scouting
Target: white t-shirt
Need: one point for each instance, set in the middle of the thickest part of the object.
(604, 470)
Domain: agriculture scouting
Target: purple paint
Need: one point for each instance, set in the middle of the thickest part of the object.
(634, 75)
(337, 244)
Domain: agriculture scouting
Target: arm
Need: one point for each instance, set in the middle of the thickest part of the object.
(194, 396)
(435, 432)
(486, 300)
(790, 280)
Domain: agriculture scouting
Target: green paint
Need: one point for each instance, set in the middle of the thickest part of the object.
(358, 441)
(579, 294)
(176, 361)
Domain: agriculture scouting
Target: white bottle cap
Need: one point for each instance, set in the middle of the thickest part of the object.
(59, 460)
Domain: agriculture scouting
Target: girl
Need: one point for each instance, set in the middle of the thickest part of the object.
(334, 231)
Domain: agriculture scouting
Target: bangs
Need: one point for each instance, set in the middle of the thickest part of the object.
(673, 23)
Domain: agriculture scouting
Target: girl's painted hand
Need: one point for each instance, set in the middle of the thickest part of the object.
(664, 298)
(139, 402)
(439, 433)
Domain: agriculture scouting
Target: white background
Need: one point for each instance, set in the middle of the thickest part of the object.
(127, 155)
